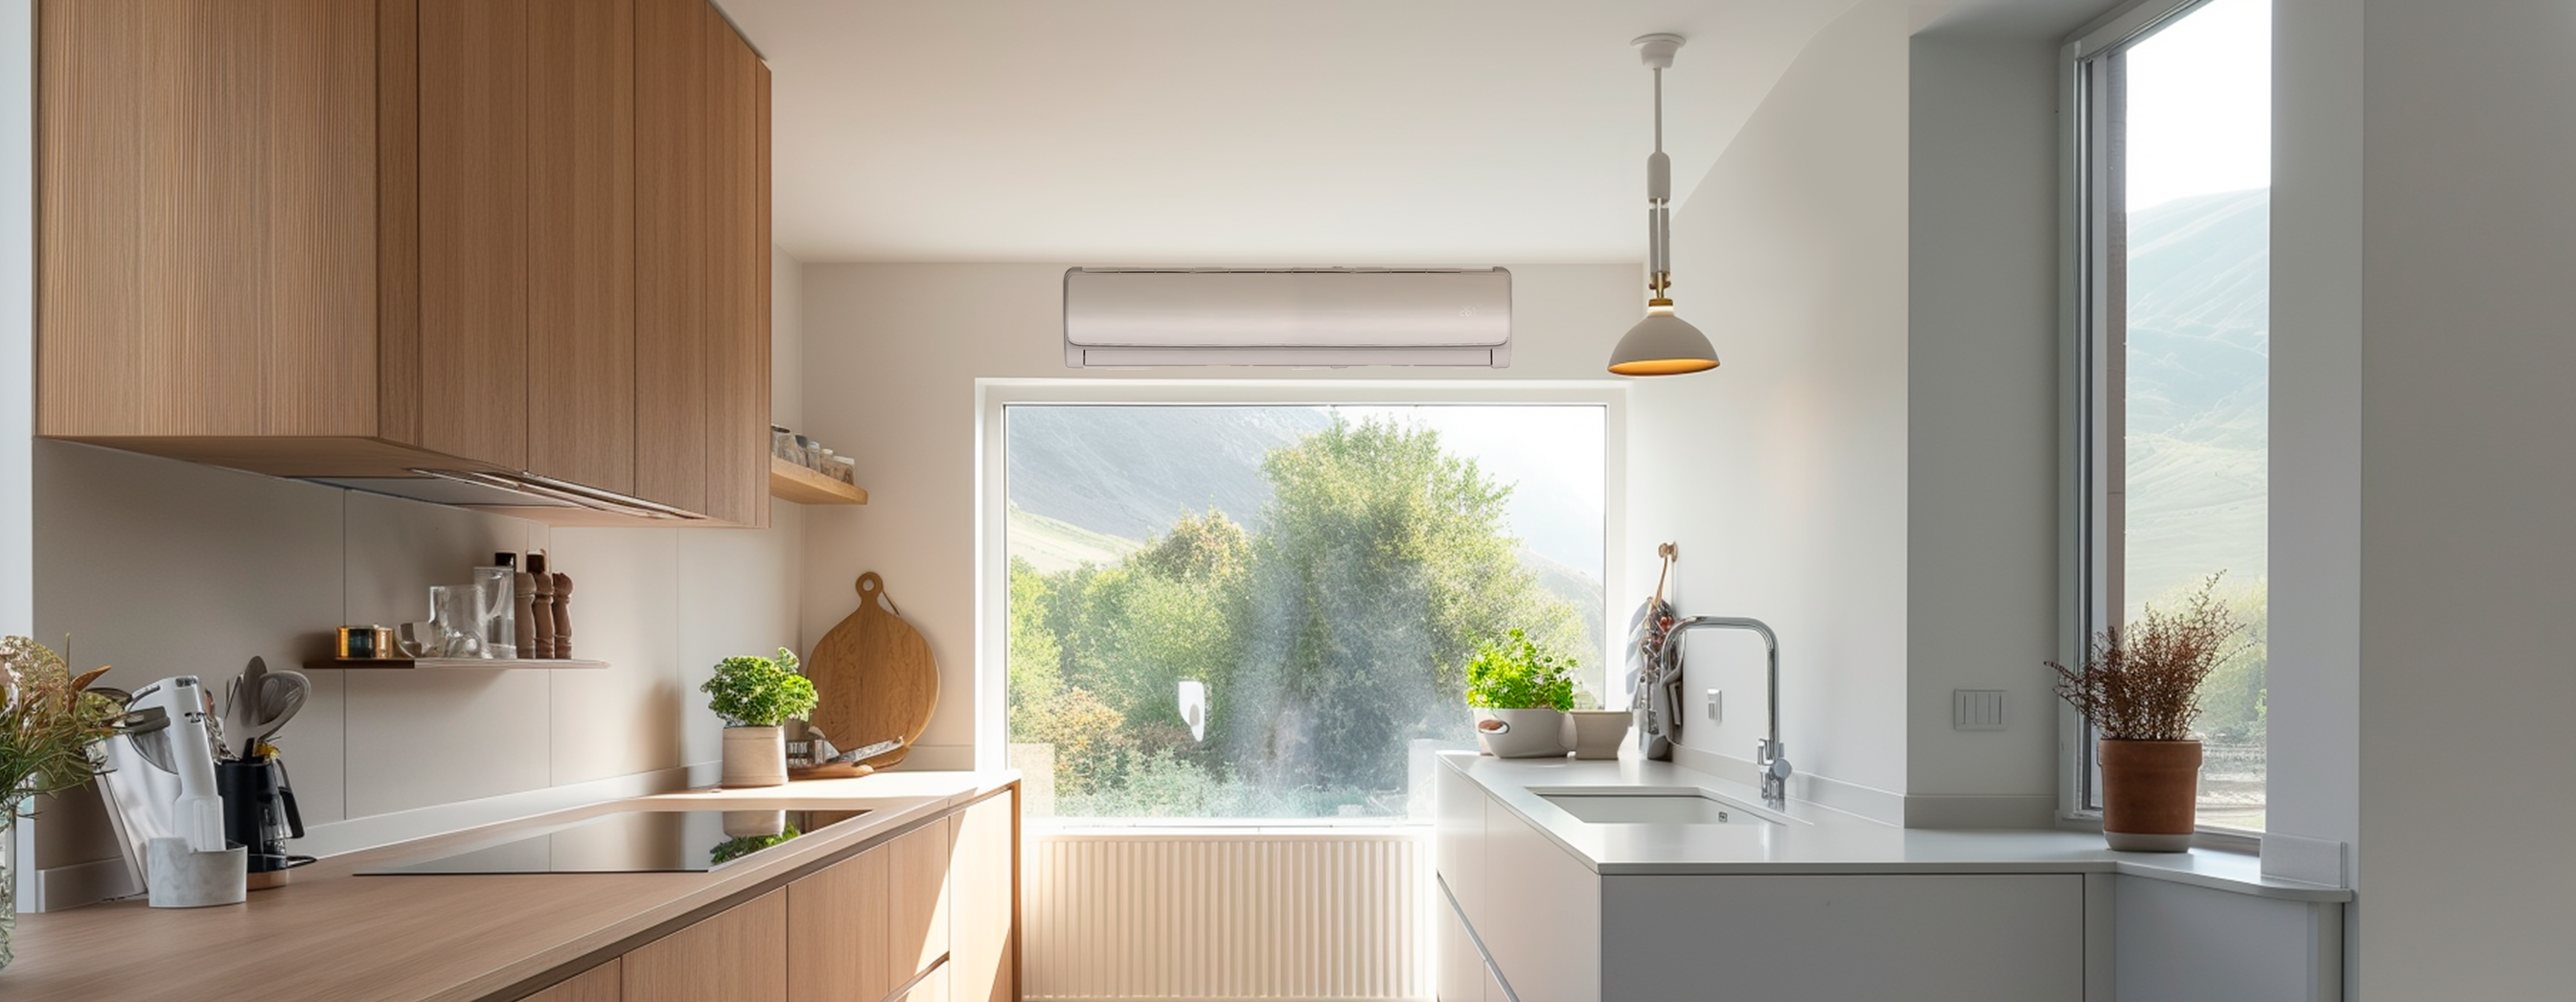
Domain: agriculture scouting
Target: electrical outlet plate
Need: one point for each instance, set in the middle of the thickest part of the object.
(1716, 704)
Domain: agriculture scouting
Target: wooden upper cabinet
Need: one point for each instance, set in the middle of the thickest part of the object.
(702, 265)
(336, 238)
(206, 217)
(581, 242)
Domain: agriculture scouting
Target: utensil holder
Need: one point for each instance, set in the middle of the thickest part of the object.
(177, 877)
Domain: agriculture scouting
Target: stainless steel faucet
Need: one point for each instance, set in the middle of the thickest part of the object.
(1768, 754)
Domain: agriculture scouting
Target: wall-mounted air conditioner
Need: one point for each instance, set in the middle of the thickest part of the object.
(1302, 317)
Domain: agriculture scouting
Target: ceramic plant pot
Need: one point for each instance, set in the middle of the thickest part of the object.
(2149, 789)
(754, 756)
(1536, 733)
(1597, 733)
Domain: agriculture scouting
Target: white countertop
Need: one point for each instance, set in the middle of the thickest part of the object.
(1812, 839)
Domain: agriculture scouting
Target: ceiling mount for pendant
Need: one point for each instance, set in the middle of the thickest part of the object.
(1662, 344)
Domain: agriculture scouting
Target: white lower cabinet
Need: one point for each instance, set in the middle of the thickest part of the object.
(1925, 937)
(1558, 932)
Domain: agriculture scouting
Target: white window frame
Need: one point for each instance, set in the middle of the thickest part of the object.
(992, 494)
(2090, 463)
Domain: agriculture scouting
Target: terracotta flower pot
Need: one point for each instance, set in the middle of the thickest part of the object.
(2149, 789)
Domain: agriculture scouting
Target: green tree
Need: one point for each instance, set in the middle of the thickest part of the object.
(1383, 565)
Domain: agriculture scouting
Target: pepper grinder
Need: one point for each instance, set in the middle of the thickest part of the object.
(523, 613)
(563, 615)
(541, 594)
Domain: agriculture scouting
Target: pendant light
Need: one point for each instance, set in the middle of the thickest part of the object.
(1662, 344)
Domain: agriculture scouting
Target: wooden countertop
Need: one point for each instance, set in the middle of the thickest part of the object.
(332, 936)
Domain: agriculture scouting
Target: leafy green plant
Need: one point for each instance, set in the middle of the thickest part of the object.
(1518, 674)
(48, 720)
(736, 848)
(759, 692)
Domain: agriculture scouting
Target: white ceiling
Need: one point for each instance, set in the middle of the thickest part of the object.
(1225, 132)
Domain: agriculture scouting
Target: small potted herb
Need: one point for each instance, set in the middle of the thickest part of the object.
(754, 696)
(1521, 692)
(2140, 687)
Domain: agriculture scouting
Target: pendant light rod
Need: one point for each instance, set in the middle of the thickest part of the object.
(1656, 51)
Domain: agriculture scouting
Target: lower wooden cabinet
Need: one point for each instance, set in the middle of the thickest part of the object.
(983, 875)
(927, 916)
(598, 984)
(739, 955)
(837, 947)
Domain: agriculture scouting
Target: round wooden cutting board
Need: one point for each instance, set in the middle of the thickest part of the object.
(873, 677)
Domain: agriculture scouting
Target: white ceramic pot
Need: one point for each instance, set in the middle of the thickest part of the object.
(1536, 733)
(1597, 733)
(754, 756)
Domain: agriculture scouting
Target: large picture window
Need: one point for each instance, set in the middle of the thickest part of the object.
(1265, 611)
(2175, 287)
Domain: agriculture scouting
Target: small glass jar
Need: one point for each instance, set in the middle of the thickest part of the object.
(782, 443)
(846, 469)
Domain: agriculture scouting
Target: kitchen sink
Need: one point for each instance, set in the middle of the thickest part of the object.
(1661, 807)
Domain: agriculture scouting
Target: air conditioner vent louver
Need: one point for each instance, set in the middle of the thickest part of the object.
(1302, 317)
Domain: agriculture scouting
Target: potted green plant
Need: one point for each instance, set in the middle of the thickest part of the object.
(1521, 692)
(49, 718)
(755, 695)
(2141, 690)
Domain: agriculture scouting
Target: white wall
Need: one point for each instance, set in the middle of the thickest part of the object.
(891, 358)
(1982, 394)
(2314, 717)
(17, 340)
(159, 567)
(2468, 141)
(1784, 473)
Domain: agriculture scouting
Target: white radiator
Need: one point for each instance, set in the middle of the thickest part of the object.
(1204, 916)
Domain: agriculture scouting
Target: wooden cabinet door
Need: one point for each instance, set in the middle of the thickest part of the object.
(598, 984)
(739, 955)
(918, 909)
(984, 880)
(702, 264)
(474, 141)
(205, 257)
(581, 242)
(838, 935)
(737, 325)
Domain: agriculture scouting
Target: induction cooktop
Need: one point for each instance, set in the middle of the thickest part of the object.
(634, 842)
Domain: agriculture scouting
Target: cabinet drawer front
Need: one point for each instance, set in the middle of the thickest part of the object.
(1935, 937)
(739, 955)
(837, 932)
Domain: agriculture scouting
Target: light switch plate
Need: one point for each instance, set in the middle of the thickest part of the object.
(1976, 709)
(1716, 706)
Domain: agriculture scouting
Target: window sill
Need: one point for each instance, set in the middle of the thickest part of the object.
(2230, 840)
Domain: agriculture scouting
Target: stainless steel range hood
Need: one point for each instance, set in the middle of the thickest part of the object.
(484, 489)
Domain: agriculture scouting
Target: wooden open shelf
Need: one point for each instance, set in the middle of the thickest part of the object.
(803, 486)
(459, 664)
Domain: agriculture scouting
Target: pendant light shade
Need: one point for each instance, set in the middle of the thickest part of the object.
(1662, 345)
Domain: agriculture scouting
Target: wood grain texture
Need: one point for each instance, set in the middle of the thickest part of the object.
(737, 330)
(673, 205)
(581, 242)
(917, 908)
(739, 955)
(874, 677)
(791, 482)
(331, 937)
(474, 229)
(837, 942)
(205, 211)
(397, 344)
(598, 984)
(984, 880)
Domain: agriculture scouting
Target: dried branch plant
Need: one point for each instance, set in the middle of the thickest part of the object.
(2143, 684)
(48, 719)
